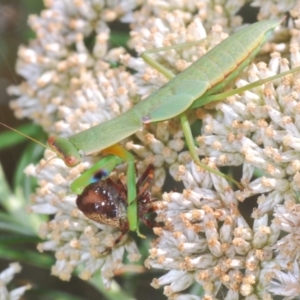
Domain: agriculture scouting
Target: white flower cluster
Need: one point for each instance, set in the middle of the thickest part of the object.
(205, 241)
(6, 277)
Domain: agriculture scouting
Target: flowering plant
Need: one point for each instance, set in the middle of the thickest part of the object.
(206, 242)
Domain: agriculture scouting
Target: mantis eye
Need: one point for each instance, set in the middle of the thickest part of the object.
(71, 161)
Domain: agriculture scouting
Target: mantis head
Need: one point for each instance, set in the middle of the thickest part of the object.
(65, 150)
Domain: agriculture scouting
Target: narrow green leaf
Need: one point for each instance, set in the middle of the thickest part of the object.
(114, 293)
(34, 258)
(57, 295)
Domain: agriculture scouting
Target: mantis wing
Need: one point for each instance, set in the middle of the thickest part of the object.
(185, 93)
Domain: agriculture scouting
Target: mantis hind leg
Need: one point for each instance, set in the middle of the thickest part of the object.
(174, 106)
(192, 149)
(221, 96)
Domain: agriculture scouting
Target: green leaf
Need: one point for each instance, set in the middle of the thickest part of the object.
(114, 293)
(10, 224)
(34, 258)
(48, 294)
(15, 205)
(119, 38)
(32, 154)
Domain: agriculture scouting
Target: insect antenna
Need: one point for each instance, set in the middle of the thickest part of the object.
(24, 134)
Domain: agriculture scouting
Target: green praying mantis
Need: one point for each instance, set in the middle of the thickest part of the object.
(199, 84)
